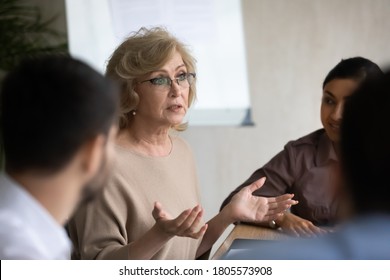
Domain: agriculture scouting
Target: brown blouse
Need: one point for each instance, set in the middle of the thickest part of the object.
(302, 168)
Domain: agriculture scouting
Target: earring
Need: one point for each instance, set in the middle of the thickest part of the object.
(133, 112)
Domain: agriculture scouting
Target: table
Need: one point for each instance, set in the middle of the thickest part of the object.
(246, 231)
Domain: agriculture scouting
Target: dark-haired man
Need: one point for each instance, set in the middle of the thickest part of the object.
(58, 123)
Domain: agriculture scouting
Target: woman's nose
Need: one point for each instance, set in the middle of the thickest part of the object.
(175, 89)
(337, 113)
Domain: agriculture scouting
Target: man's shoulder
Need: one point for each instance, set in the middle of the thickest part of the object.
(16, 242)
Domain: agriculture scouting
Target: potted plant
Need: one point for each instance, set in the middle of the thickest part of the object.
(25, 34)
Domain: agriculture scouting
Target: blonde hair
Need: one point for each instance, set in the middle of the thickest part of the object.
(145, 51)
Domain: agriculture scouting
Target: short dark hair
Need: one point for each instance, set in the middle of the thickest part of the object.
(356, 68)
(50, 107)
(365, 148)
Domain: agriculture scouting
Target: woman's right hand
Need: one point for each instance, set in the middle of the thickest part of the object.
(297, 226)
(246, 207)
(186, 224)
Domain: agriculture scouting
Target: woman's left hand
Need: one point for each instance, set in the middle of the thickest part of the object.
(245, 207)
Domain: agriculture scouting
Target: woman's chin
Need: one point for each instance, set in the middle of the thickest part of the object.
(176, 120)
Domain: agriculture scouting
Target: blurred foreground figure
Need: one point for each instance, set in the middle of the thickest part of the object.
(57, 125)
(365, 157)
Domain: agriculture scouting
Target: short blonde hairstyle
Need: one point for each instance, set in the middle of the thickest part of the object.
(145, 51)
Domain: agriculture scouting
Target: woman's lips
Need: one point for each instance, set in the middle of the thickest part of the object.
(175, 108)
(334, 126)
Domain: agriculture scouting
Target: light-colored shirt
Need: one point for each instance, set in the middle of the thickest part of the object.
(105, 227)
(27, 230)
(364, 238)
(304, 169)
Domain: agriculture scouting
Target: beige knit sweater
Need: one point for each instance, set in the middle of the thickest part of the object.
(104, 228)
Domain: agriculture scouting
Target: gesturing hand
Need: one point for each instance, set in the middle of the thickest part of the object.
(186, 224)
(246, 207)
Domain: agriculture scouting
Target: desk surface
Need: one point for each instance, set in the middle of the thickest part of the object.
(244, 231)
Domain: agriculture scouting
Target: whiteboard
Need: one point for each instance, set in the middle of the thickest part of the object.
(212, 29)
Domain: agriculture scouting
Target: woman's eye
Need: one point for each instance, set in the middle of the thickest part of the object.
(328, 101)
(182, 77)
(159, 81)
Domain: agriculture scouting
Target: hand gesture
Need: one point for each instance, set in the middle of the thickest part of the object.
(246, 207)
(186, 224)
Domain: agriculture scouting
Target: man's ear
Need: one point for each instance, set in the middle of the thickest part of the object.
(92, 155)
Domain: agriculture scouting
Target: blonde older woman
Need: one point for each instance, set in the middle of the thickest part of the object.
(151, 207)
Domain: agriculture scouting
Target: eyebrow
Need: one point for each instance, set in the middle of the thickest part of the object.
(332, 95)
(165, 71)
(181, 65)
(329, 93)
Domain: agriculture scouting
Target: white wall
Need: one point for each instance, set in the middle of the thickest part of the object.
(291, 46)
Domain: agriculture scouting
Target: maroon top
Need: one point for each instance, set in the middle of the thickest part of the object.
(302, 168)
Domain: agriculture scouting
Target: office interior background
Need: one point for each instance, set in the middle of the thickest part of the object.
(290, 47)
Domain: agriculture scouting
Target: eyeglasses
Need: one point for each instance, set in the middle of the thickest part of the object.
(183, 80)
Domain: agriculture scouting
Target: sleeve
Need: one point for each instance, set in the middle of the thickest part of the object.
(280, 174)
(98, 229)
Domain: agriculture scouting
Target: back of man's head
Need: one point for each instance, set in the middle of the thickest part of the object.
(50, 107)
(365, 146)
